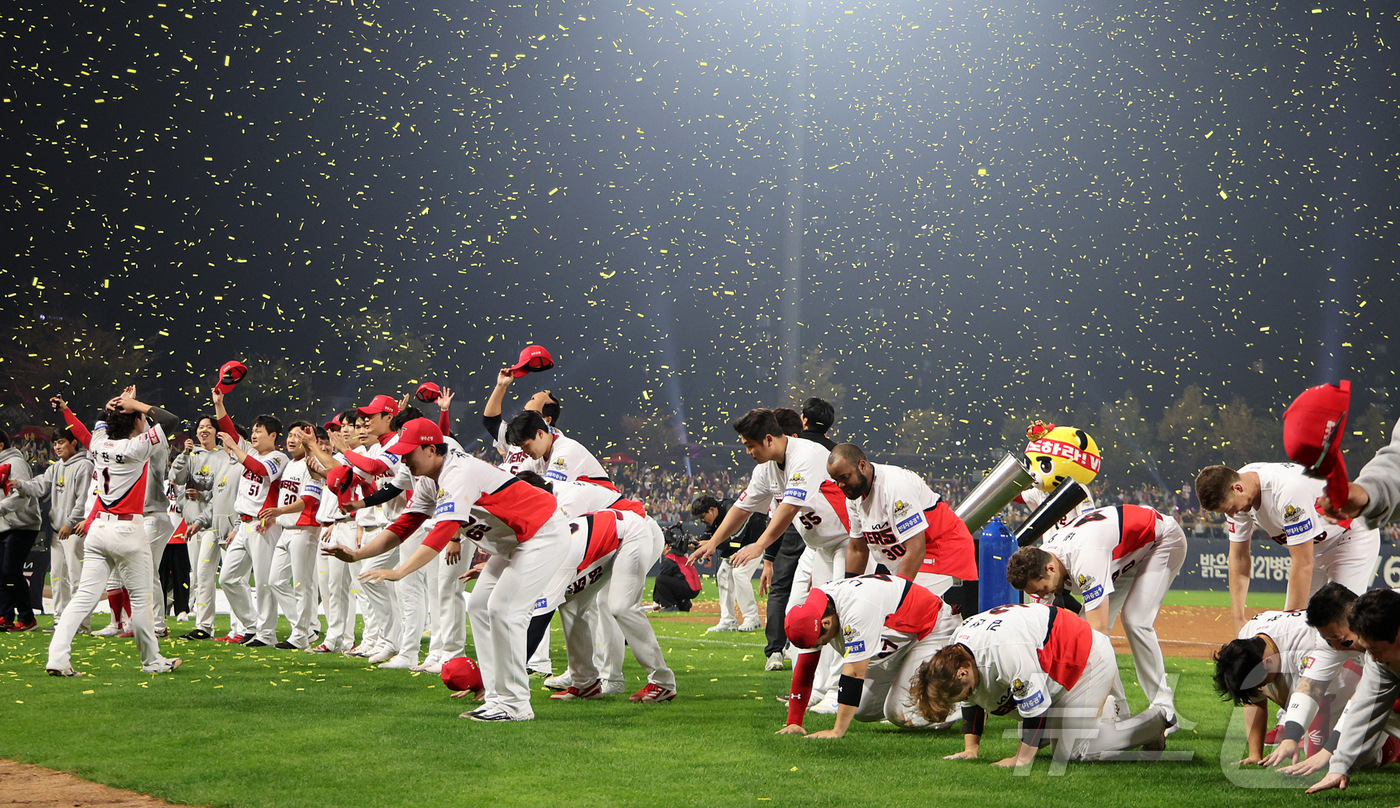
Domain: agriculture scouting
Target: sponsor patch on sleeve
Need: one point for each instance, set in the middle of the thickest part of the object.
(445, 507)
(1032, 701)
(857, 647)
(796, 493)
(1093, 593)
(554, 474)
(540, 603)
(1298, 528)
(911, 523)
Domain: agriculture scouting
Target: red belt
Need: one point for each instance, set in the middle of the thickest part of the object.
(248, 518)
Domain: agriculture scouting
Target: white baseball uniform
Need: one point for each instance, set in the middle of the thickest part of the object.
(1126, 556)
(293, 574)
(250, 552)
(116, 542)
(1345, 553)
(900, 506)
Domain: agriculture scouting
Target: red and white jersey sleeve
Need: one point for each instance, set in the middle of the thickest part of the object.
(258, 491)
(1296, 641)
(900, 506)
(765, 485)
(577, 498)
(821, 518)
(497, 510)
(120, 469)
(1006, 642)
(1033, 497)
(568, 460)
(1287, 508)
(1103, 544)
(879, 615)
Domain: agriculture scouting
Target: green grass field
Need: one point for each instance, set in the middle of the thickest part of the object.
(260, 727)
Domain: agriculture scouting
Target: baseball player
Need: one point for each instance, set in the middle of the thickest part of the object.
(335, 580)
(514, 522)
(117, 598)
(610, 554)
(884, 628)
(122, 448)
(1282, 501)
(249, 552)
(735, 583)
(1367, 734)
(895, 516)
(1267, 663)
(292, 576)
(1048, 665)
(791, 472)
(513, 458)
(65, 484)
(1120, 559)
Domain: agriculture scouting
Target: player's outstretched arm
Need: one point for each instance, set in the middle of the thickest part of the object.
(730, 525)
(781, 518)
(1300, 575)
(498, 395)
(1239, 581)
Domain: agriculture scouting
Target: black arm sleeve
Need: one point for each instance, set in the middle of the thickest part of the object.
(384, 494)
(1033, 730)
(492, 424)
(165, 418)
(974, 720)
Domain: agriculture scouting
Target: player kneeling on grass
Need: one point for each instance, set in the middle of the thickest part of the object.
(1051, 668)
(517, 524)
(1366, 736)
(885, 628)
(1274, 658)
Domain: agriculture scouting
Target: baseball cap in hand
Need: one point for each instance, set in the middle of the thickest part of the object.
(229, 375)
(804, 623)
(428, 392)
(1313, 426)
(415, 433)
(379, 405)
(532, 360)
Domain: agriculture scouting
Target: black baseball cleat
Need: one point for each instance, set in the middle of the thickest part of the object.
(197, 634)
(284, 645)
(255, 643)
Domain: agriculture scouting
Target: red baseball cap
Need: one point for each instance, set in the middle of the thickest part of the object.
(378, 405)
(1313, 426)
(461, 673)
(533, 359)
(229, 375)
(415, 433)
(428, 392)
(333, 423)
(804, 623)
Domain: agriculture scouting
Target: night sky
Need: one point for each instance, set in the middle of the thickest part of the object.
(1028, 206)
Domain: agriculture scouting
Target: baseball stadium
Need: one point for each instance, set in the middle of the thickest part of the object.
(902, 402)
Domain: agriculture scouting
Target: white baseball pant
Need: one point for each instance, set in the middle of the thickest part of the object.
(1137, 596)
(1077, 724)
(499, 609)
(736, 590)
(210, 545)
(66, 570)
(158, 533)
(117, 548)
(336, 581)
(412, 594)
(294, 580)
(1350, 562)
(885, 696)
(449, 638)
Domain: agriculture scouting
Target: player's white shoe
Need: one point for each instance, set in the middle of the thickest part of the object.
(559, 682)
(826, 706)
(750, 626)
(162, 665)
(723, 625)
(109, 630)
(64, 671)
(500, 714)
(398, 663)
(614, 687)
(384, 654)
(775, 662)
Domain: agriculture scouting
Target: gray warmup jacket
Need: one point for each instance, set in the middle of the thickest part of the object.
(64, 485)
(1381, 479)
(25, 515)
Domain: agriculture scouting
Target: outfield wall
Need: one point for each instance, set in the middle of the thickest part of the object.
(1207, 566)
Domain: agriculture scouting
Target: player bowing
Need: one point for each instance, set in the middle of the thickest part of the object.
(1120, 559)
(884, 628)
(1051, 668)
(894, 514)
(514, 522)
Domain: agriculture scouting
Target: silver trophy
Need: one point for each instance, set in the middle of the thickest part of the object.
(1007, 479)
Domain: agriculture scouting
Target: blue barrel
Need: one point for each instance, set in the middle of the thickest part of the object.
(994, 548)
